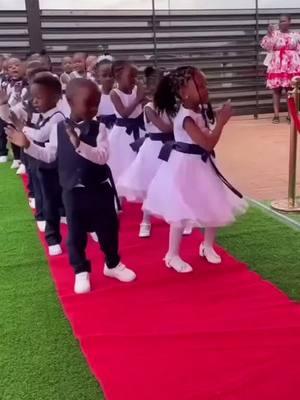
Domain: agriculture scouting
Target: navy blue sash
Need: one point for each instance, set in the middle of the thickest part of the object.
(188, 148)
(107, 120)
(132, 125)
(160, 137)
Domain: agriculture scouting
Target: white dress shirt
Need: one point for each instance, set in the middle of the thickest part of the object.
(98, 155)
(43, 134)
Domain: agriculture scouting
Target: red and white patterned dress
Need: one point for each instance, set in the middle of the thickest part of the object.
(285, 61)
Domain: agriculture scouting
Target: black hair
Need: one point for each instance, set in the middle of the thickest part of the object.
(36, 71)
(118, 66)
(79, 83)
(152, 75)
(49, 81)
(166, 98)
(104, 61)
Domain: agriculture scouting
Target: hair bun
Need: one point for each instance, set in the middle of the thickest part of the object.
(148, 71)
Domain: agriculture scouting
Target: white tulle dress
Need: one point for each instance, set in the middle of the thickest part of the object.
(134, 182)
(121, 154)
(187, 190)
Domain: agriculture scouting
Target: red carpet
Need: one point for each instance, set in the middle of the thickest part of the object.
(218, 333)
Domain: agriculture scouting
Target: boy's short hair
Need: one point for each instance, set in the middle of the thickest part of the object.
(78, 83)
(49, 81)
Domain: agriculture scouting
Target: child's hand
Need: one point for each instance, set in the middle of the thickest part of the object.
(16, 137)
(17, 122)
(3, 97)
(224, 113)
(140, 93)
(74, 139)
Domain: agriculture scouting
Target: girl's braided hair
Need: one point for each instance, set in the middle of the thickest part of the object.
(167, 97)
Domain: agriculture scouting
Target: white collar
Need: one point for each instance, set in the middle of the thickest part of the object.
(49, 113)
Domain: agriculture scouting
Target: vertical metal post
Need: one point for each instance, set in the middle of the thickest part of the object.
(34, 25)
(154, 33)
(293, 152)
(257, 49)
(290, 204)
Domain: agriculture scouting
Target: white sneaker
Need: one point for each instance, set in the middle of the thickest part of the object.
(55, 250)
(82, 283)
(41, 225)
(63, 220)
(15, 164)
(94, 237)
(120, 272)
(210, 254)
(3, 159)
(21, 170)
(145, 230)
(31, 201)
(178, 264)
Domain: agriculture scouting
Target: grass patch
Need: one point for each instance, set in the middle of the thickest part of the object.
(39, 357)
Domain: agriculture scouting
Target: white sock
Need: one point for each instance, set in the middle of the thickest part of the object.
(146, 218)
(175, 237)
(209, 237)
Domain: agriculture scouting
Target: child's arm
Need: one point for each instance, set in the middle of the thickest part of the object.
(127, 111)
(47, 154)
(156, 120)
(205, 138)
(98, 154)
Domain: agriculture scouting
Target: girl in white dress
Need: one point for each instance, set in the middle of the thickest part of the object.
(189, 187)
(106, 112)
(134, 182)
(127, 100)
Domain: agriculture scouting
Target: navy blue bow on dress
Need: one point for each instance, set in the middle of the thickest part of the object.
(132, 125)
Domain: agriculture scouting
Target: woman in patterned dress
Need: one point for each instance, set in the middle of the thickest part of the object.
(285, 62)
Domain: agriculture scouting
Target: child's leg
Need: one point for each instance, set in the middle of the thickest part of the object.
(52, 204)
(3, 142)
(145, 226)
(107, 230)
(207, 247)
(77, 239)
(39, 211)
(172, 258)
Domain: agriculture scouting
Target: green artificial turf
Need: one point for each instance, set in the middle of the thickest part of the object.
(39, 358)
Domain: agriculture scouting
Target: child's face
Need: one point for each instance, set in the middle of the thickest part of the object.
(91, 61)
(201, 85)
(79, 63)
(85, 102)
(128, 77)
(15, 68)
(67, 65)
(104, 76)
(43, 99)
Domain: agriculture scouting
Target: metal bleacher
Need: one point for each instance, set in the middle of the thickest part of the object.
(223, 43)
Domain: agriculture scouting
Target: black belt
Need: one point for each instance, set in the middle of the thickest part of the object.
(160, 137)
(107, 120)
(132, 125)
(188, 148)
